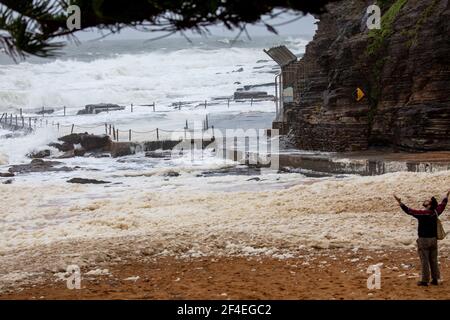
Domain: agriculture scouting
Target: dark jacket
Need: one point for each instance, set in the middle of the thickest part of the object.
(427, 219)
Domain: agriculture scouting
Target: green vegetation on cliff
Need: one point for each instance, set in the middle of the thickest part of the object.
(378, 37)
(377, 44)
(412, 34)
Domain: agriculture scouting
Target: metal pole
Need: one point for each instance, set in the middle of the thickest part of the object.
(276, 94)
(280, 87)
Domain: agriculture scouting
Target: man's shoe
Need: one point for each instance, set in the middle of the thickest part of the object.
(435, 282)
(422, 284)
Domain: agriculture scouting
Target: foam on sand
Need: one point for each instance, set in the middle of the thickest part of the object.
(90, 221)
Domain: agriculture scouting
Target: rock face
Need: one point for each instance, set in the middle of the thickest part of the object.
(404, 70)
(39, 165)
(6, 175)
(64, 147)
(88, 142)
(86, 181)
(102, 107)
(39, 154)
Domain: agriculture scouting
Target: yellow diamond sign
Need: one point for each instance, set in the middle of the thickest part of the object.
(359, 94)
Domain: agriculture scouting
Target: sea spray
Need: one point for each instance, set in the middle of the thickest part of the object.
(14, 150)
(140, 77)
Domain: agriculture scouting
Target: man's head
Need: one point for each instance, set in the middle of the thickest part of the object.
(430, 204)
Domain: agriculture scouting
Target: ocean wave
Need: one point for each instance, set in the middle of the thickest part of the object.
(194, 74)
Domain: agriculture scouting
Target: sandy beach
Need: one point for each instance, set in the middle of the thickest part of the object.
(331, 230)
(320, 274)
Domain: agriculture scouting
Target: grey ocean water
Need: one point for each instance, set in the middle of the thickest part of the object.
(165, 72)
(105, 48)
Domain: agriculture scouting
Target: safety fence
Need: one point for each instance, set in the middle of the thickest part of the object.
(57, 112)
(29, 124)
(53, 118)
(19, 122)
(118, 134)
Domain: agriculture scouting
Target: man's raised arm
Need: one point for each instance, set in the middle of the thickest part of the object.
(443, 204)
(409, 211)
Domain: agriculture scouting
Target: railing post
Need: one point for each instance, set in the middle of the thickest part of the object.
(117, 134)
(129, 135)
(154, 106)
(71, 130)
(106, 129)
(157, 134)
(64, 111)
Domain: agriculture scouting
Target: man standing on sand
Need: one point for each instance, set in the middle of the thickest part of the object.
(427, 241)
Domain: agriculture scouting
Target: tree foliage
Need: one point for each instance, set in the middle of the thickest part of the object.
(35, 26)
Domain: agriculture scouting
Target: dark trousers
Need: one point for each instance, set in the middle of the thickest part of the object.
(428, 253)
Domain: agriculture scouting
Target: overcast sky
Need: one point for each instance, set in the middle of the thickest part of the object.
(304, 26)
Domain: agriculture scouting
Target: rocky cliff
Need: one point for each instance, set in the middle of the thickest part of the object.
(404, 70)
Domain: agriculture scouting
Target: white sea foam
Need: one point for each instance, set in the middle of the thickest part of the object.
(165, 77)
(356, 212)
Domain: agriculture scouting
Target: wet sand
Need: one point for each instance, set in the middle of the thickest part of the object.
(318, 274)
